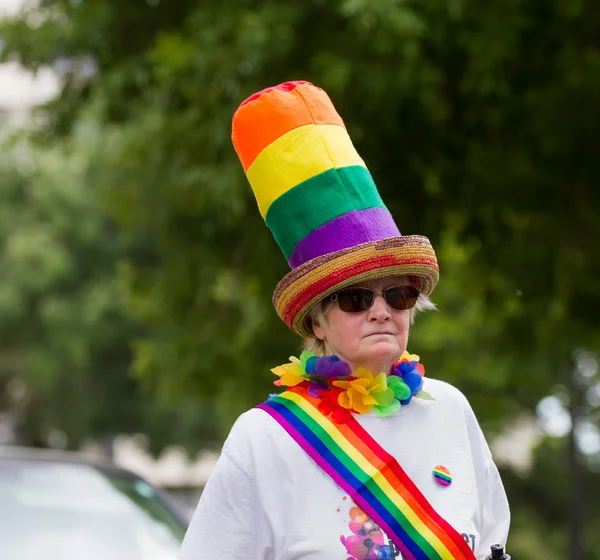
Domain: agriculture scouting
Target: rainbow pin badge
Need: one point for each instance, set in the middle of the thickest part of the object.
(442, 475)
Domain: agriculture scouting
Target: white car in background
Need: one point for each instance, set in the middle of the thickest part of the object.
(60, 506)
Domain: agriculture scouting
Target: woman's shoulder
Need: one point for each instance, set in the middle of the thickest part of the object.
(453, 401)
(251, 424)
(444, 391)
(255, 434)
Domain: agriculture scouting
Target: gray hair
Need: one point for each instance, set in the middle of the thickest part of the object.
(317, 315)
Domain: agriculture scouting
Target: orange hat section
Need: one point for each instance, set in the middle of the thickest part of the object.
(261, 120)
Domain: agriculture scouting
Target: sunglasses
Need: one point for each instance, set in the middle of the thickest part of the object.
(356, 300)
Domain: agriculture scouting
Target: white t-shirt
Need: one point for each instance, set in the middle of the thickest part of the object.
(268, 500)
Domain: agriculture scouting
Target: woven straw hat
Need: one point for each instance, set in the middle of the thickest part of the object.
(319, 201)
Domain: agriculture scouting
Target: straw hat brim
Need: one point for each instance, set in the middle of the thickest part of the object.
(314, 280)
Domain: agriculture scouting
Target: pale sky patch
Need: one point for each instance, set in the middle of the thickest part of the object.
(19, 88)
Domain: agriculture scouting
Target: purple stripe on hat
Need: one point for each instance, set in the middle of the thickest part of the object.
(347, 230)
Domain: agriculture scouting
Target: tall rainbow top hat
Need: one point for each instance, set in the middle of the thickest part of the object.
(319, 201)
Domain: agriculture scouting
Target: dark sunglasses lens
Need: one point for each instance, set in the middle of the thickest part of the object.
(355, 300)
(401, 297)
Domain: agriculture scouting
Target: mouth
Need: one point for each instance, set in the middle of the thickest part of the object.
(380, 334)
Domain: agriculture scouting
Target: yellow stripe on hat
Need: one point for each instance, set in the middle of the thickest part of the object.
(297, 156)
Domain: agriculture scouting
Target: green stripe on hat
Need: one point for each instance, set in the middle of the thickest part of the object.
(294, 215)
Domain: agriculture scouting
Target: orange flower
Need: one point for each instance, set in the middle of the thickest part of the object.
(363, 391)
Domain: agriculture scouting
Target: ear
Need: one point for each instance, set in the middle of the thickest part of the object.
(318, 330)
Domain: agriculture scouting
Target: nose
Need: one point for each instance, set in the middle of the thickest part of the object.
(379, 311)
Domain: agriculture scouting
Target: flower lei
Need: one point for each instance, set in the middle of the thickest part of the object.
(341, 392)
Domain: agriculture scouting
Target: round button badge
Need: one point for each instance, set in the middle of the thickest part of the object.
(442, 475)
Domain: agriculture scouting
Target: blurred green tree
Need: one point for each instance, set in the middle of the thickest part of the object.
(65, 335)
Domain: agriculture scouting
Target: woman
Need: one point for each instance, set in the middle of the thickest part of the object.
(360, 456)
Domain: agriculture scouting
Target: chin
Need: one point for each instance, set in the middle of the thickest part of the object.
(383, 351)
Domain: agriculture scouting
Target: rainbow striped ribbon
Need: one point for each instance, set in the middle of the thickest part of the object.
(371, 476)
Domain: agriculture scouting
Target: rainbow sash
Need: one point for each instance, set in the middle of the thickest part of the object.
(371, 477)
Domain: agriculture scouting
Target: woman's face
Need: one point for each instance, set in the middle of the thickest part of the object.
(373, 338)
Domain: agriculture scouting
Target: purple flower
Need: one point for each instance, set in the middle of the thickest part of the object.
(331, 366)
(324, 366)
(341, 369)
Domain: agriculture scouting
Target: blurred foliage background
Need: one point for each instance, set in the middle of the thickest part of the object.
(136, 273)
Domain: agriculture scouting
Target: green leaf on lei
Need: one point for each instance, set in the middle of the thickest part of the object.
(424, 395)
